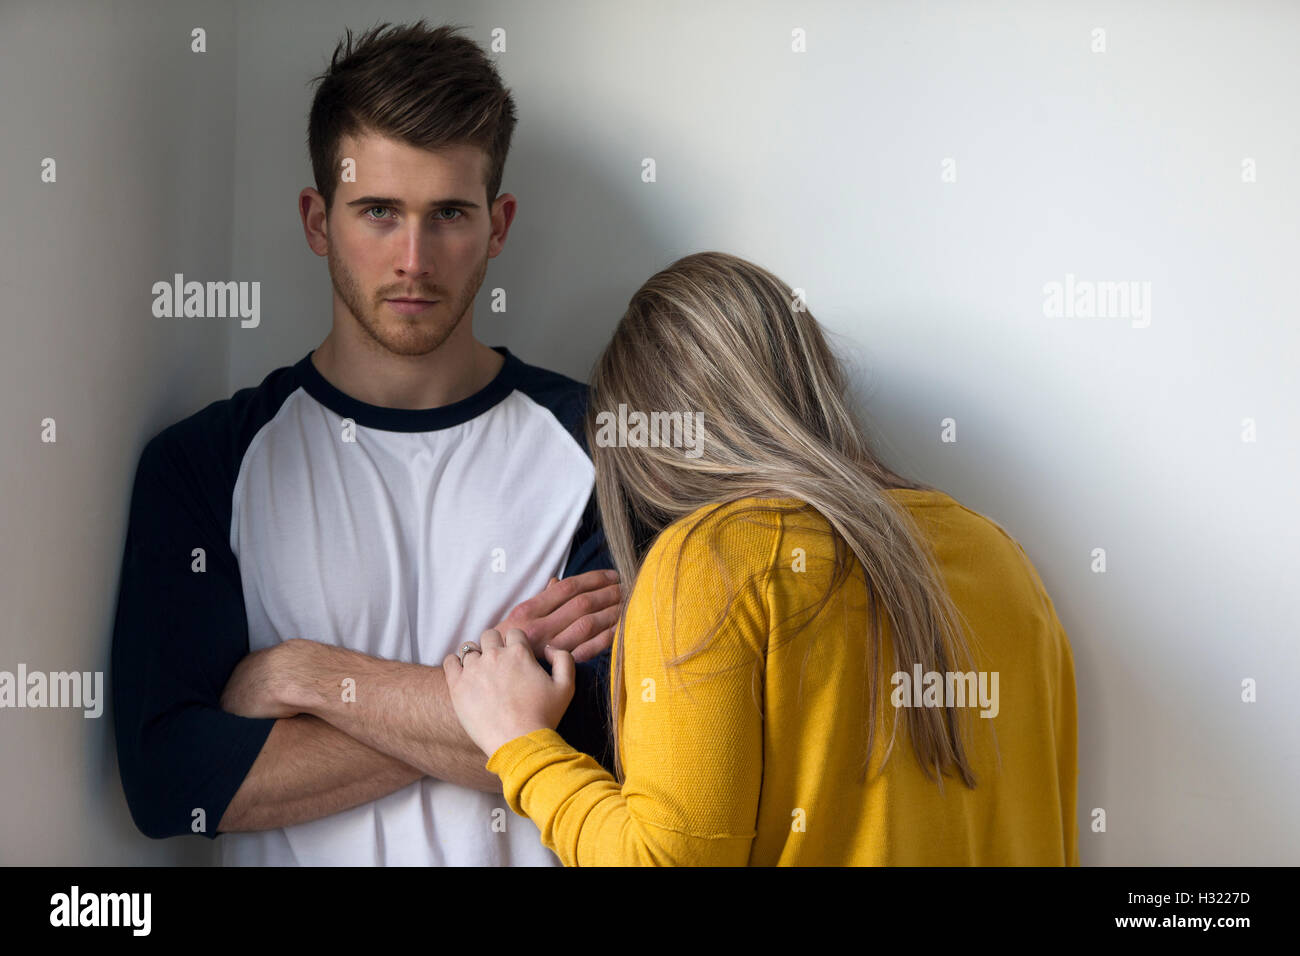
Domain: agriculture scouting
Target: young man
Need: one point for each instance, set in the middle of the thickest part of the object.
(362, 513)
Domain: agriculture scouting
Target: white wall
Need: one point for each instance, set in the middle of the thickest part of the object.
(825, 167)
(140, 131)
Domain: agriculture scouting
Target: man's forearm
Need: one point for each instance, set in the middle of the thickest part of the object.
(400, 709)
(308, 770)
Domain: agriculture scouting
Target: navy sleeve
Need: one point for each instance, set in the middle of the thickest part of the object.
(177, 636)
(584, 725)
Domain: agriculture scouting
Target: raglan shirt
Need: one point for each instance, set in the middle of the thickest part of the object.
(294, 510)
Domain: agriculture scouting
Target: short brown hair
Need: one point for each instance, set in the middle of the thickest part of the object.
(430, 88)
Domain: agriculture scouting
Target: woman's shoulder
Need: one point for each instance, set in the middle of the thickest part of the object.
(766, 510)
(742, 526)
(748, 532)
(976, 549)
(755, 516)
(718, 546)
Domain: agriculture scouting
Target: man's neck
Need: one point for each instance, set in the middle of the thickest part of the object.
(454, 371)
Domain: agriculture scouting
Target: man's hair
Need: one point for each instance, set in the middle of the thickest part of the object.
(430, 88)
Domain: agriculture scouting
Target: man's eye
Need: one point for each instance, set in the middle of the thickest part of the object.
(457, 214)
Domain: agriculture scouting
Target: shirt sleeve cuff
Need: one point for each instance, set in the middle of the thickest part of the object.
(515, 761)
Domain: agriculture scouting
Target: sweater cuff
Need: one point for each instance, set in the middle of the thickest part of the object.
(514, 762)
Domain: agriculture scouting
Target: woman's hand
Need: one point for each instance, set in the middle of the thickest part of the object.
(504, 693)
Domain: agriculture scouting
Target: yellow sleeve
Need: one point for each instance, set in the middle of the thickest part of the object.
(692, 734)
(1067, 722)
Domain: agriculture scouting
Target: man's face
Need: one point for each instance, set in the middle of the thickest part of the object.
(415, 224)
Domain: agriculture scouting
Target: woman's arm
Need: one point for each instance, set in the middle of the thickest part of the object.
(692, 734)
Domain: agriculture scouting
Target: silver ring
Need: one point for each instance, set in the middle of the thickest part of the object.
(466, 648)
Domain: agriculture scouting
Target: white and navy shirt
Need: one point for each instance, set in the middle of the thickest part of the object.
(399, 533)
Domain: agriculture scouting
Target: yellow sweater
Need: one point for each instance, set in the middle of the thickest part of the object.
(749, 753)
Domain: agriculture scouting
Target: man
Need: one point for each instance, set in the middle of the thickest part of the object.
(361, 514)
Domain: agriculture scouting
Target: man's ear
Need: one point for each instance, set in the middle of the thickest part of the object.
(315, 224)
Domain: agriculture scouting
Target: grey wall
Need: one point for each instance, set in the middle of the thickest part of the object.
(140, 131)
(827, 168)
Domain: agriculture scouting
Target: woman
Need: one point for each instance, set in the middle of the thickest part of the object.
(791, 604)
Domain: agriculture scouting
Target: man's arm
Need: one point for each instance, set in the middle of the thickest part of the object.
(369, 726)
(399, 709)
(188, 765)
(179, 631)
(308, 770)
(403, 709)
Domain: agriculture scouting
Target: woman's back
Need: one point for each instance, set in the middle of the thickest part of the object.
(750, 751)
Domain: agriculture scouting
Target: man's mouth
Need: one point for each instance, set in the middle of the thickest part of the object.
(410, 306)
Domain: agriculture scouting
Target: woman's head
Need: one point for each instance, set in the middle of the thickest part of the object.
(717, 340)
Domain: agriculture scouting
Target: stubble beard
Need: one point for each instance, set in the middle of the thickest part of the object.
(404, 335)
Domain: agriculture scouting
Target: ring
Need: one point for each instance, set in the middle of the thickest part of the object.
(466, 648)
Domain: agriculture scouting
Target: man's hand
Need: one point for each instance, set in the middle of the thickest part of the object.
(257, 686)
(577, 614)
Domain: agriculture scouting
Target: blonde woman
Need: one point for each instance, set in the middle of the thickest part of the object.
(818, 662)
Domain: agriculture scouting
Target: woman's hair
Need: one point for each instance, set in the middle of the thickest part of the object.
(717, 335)
(430, 88)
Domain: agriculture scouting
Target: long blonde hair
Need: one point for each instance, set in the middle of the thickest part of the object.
(716, 334)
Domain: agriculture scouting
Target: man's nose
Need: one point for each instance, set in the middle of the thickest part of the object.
(416, 255)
